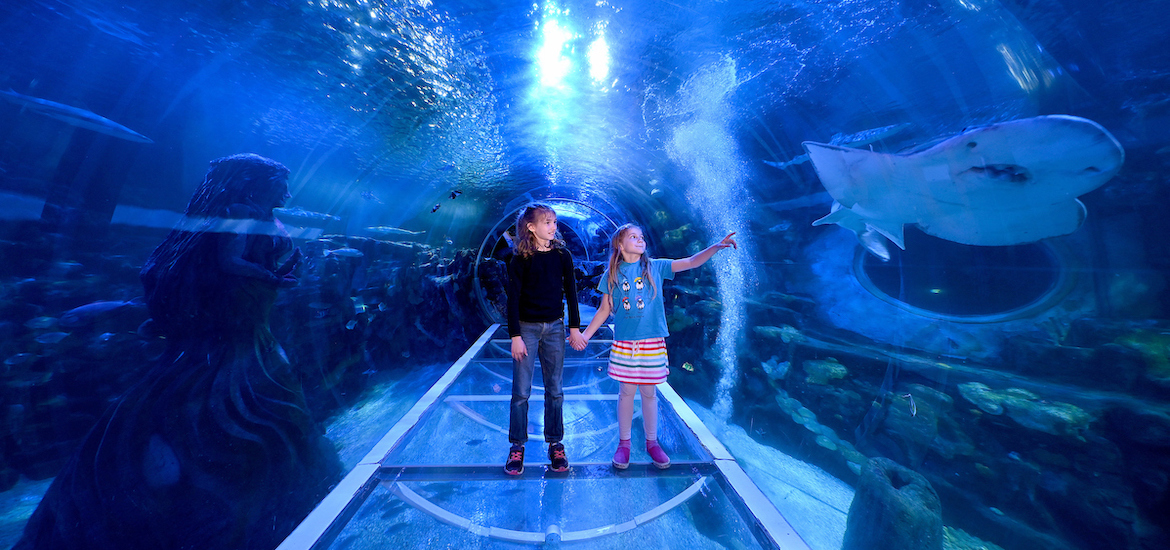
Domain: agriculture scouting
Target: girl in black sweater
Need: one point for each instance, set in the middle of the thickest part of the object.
(540, 282)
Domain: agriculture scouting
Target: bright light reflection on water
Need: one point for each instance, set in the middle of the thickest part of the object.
(598, 59)
(553, 64)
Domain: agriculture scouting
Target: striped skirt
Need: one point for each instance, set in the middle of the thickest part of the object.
(638, 361)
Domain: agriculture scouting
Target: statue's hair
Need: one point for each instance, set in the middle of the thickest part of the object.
(176, 289)
(233, 180)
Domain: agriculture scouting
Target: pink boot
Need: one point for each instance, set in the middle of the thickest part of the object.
(621, 458)
(657, 455)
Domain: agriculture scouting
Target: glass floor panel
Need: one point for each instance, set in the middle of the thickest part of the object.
(686, 510)
(436, 479)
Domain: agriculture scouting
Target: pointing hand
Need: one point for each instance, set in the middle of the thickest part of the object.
(728, 241)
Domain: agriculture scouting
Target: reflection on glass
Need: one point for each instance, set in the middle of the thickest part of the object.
(553, 64)
(599, 59)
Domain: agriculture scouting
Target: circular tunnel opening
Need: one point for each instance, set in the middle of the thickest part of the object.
(584, 228)
(943, 279)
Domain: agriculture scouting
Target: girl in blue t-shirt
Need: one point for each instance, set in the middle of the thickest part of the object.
(632, 291)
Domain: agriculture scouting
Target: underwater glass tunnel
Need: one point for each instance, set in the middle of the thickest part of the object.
(946, 324)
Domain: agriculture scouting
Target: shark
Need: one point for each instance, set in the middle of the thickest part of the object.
(1003, 184)
(74, 116)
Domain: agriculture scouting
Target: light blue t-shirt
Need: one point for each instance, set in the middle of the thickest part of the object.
(638, 309)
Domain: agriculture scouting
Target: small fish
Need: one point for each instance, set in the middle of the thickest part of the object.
(41, 323)
(866, 137)
(65, 267)
(805, 201)
(688, 367)
(91, 314)
(388, 230)
(436, 208)
(51, 337)
(346, 253)
(147, 330)
(782, 226)
(369, 195)
(301, 217)
(475, 442)
(456, 193)
(352, 323)
(801, 159)
(382, 306)
(19, 359)
(873, 417)
(913, 407)
(34, 379)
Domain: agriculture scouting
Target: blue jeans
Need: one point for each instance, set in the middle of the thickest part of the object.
(547, 341)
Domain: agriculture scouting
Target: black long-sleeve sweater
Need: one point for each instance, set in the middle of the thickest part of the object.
(538, 286)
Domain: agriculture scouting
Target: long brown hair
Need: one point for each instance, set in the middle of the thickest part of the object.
(615, 258)
(525, 240)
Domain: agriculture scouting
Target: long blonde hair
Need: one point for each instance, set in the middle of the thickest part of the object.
(615, 258)
(525, 240)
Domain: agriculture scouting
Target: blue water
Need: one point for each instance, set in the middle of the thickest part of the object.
(1031, 395)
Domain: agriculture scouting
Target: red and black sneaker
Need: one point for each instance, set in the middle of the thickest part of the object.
(515, 464)
(556, 457)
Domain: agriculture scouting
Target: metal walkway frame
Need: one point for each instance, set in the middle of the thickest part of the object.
(333, 513)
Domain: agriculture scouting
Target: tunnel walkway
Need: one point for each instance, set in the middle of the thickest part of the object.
(436, 478)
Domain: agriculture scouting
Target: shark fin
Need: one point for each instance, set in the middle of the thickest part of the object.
(874, 243)
(838, 215)
(890, 230)
(868, 234)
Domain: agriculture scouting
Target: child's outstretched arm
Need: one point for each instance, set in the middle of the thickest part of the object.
(603, 311)
(702, 257)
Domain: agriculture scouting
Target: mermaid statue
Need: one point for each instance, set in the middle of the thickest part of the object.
(214, 447)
